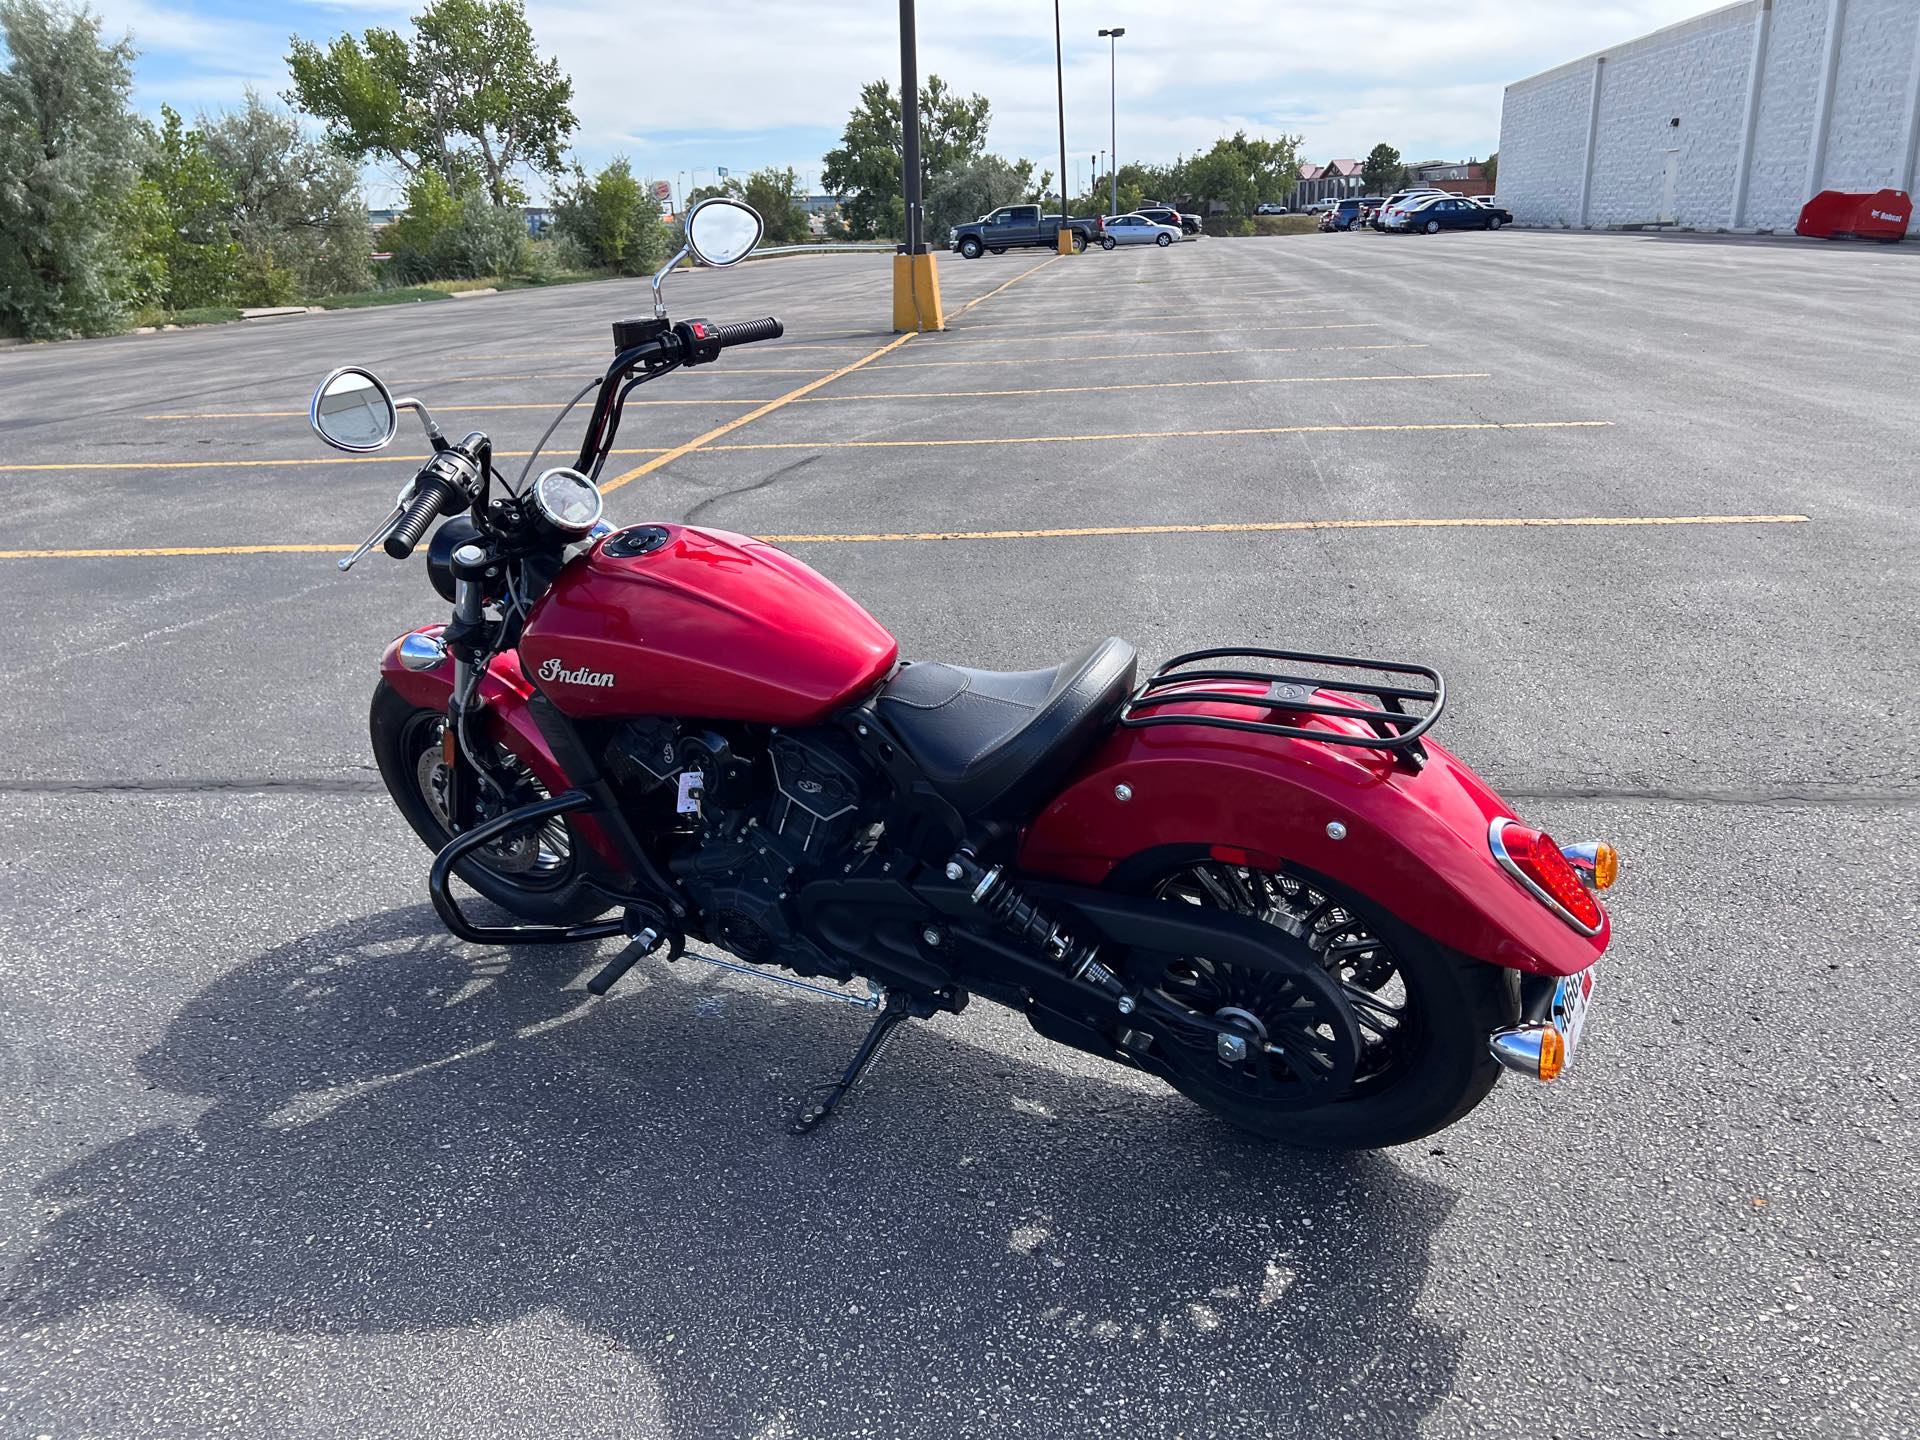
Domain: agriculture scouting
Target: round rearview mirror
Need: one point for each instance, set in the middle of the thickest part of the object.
(723, 232)
(353, 411)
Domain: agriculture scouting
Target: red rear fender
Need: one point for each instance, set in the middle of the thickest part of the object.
(1414, 842)
(505, 720)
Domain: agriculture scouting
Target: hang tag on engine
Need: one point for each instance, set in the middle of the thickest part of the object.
(692, 786)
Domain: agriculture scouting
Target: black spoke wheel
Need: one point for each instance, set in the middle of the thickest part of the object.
(1407, 1057)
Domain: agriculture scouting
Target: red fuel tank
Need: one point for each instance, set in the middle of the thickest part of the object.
(673, 620)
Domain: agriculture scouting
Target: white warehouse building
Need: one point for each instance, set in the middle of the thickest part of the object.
(1729, 121)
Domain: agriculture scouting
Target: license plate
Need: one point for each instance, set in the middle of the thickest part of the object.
(1572, 997)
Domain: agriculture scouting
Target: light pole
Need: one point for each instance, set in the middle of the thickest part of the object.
(1060, 96)
(1112, 37)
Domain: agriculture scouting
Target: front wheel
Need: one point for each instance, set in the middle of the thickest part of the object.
(970, 248)
(1493, 222)
(1108, 243)
(535, 875)
(1421, 1014)
(1163, 241)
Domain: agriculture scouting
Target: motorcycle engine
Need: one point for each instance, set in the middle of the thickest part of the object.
(753, 831)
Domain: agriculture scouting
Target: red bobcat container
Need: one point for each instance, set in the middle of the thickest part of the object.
(1837, 214)
(673, 620)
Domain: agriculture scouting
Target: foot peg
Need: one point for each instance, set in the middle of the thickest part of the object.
(823, 1100)
(649, 930)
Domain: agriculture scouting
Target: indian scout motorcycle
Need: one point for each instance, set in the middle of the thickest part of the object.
(1252, 874)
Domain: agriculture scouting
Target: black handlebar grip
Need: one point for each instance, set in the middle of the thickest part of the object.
(422, 511)
(747, 332)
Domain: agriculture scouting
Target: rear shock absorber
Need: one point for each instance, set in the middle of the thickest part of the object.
(1008, 906)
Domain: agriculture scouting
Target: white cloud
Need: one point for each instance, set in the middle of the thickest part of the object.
(1423, 76)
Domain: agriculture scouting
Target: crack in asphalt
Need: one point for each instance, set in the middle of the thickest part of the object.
(1837, 796)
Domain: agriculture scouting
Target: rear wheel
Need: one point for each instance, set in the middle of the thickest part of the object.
(1433, 227)
(535, 874)
(998, 249)
(1422, 1016)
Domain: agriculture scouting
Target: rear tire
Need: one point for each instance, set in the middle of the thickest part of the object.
(999, 249)
(1422, 1070)
(540, 876)
(1433, 227)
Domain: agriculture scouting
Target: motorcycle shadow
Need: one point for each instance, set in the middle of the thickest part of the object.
(406, 1136)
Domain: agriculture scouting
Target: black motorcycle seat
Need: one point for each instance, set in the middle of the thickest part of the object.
(993, 741)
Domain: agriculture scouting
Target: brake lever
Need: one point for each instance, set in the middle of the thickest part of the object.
(386, 525)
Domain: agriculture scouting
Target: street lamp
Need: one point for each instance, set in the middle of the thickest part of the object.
(1112, 37)
(1060, 97)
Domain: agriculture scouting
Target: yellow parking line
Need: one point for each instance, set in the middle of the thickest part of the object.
(1265, 527)
(1250, 527)
(583, 376)
(443, 410)
(1110, 333)
(665, 457)
(1002, 286)
(1144, 435)
(703, 441)
(1128, 317)
(1142, 385)
(1149, 355)
(606, 355)
(395, 460)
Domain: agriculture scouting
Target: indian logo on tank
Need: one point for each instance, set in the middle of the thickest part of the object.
(552, 669)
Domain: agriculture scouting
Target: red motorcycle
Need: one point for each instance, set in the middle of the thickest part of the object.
(1252, 874)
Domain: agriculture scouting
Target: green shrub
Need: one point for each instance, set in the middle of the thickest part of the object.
(608, 223)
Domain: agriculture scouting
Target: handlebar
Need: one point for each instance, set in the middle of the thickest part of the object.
(747, 332)
(430, 497)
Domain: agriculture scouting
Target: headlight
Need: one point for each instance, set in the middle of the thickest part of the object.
(567, 500)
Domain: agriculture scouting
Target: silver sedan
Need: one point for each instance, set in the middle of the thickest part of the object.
(1135, 230)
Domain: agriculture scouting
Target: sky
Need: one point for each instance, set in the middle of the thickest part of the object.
(681, 88)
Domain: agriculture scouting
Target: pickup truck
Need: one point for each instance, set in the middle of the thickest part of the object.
(1012, 226)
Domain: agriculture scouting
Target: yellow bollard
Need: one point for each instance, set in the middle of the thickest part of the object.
(916, 293)
(1065, 241)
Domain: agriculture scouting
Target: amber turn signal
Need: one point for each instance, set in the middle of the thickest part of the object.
(1553, 1053)
(1606, 866)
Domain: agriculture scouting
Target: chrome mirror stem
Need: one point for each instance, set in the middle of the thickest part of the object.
(426, 419)
(659, 300)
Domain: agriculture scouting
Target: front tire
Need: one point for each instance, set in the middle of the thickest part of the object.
(1108, 243)
(1424, 1012)
(536, 876)
(1163, 240)
(1494, 222)
(970, 248)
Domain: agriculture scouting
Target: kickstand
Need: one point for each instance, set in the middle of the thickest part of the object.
(822, 1100)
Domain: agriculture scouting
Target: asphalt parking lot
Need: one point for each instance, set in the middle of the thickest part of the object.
(279, 1158)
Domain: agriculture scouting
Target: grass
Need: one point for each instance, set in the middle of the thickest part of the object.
(407, 296)
(199, 315)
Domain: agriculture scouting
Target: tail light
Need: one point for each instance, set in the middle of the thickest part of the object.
(1531, 857)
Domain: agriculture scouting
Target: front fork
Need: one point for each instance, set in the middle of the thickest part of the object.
(462, 639)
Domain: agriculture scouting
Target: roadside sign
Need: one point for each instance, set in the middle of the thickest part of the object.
(662, 190)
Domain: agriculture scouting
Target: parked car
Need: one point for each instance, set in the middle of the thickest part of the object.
(1012, 227)
(1167, 215)
(1135, 229)
(1398, 199)
(1369, 206)
(1435, 213)
(1269, 207)
(1344, 215)
(1501, 215)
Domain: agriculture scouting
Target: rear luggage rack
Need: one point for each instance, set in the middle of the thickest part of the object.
(1394, 727)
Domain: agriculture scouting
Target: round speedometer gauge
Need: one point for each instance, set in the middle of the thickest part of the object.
(567, 500)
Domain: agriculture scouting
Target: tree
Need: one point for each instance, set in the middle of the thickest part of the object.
(69, 147)
(1380, 171)
(865, 168)
(183, 248)
(611, 220)
(1239, 172)
(777, 195)
(296, 209)
(1492, 168)
(971, 187)
(468, 97)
